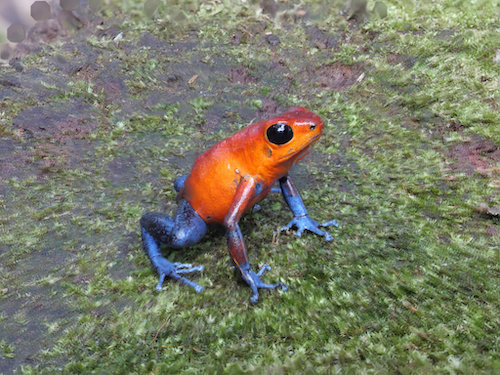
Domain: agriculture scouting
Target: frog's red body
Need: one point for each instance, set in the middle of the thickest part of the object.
(225, 182)
(212, 184)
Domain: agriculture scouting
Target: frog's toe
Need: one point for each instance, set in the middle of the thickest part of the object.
(255, 283)
(328, 223)
(263, 269)
(315, 229)
(303, 223)
(160, 282)
(287, 227)
(198, 288)
(255, 298)
(174, 271)
(256, 208)
(187, 268)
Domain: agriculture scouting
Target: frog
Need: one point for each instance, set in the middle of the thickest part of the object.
(227, 181)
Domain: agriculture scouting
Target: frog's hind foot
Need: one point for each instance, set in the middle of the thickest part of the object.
(175, 270)
(185, 229)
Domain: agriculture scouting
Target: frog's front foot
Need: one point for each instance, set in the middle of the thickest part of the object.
(254, 281)
(305, 222)
(174, 271)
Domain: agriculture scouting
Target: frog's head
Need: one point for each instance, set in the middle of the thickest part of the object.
(289, 135)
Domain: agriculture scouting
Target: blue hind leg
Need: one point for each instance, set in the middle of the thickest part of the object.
(185, 229)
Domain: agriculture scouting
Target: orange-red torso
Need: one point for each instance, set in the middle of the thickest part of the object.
(211, 186)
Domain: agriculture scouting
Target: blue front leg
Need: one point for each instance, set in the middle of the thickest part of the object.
(301, 219)
(179, 182)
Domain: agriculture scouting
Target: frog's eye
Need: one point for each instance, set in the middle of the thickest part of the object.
(279, 134)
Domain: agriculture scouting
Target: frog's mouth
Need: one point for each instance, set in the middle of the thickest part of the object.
(302, 154)
(315, 139)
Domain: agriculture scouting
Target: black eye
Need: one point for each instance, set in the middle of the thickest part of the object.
(279, 134)
(312, 127)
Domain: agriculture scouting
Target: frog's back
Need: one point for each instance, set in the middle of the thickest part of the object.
(249, 153)
(211, 186)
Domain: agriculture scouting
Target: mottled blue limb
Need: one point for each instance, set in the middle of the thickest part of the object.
(301, 219)
(185, 229)
(164, 267)
(179, 182)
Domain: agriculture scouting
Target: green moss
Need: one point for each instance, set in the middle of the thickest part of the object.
(6, 350)
(409, 285)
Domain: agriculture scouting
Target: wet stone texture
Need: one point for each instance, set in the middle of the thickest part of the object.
(15, 160)
(57, 122)
(53, 135)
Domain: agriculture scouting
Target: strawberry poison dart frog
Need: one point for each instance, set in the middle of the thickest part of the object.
(224, 183)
